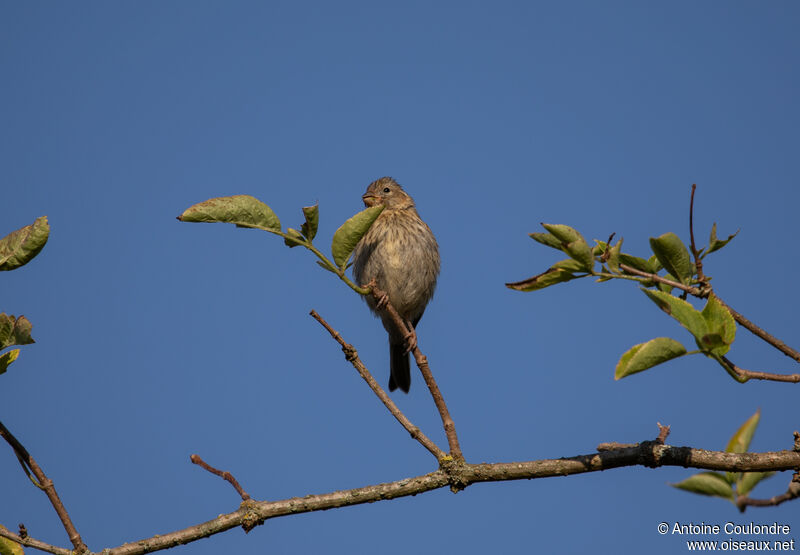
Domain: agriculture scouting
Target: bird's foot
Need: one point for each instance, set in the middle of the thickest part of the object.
(383, 300)
(410, 338)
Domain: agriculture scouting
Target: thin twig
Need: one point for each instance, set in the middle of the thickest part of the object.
(422, 364)
(28, 541)
(352, 356)
(655, 277)
(224, 474)
(754, 329)
(663, 432)
(793, 492)
(46, 484)
(698, 263)
(753, 375)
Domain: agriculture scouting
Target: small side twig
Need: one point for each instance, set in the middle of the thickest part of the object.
(758, 332)
(352, 356)
(745, 375)
(663, 432)
(30, 466)
(427, 375)
(698, 262)
(793, 492)
(28, 541)
(224, 474)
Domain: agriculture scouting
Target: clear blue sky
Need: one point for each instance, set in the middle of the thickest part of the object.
(157, 339)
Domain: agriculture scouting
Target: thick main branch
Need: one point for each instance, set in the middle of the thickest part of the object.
(649, 454)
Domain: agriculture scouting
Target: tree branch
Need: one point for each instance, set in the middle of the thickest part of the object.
(28, 541)
(352, 356)
(427, 375)
(44, 483)
(747, 324)
(649, 454)
(754, 375)
(757, 331)
(793, 492)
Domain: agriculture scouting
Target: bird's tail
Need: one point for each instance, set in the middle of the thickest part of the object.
(400, 367)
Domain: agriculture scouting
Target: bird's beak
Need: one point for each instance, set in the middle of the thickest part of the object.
(369, 199)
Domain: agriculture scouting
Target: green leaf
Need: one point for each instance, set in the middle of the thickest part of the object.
(563, 233)
(682, 311)
(664, 287)
(570, 265)
(14, 331)
(715, 244)
(309, 228)
(707, 483)
(545, 279)
(748, 480)
(740, 441)
(294, 238)
(635, 262)
(721, 324)
(614, 256)
(350, 233)
(242, 210)
(546, 239)
(8, 547)
(646, 355)
(7, 358)
(580, 251)
(655, 264)
(673, 255)
(20, 246)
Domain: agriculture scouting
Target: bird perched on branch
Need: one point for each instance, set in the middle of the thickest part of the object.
(400, 253)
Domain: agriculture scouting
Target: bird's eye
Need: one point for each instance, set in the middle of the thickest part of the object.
(386, 189)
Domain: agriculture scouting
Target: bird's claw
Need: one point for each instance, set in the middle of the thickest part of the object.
(382, 301)
(411, 339)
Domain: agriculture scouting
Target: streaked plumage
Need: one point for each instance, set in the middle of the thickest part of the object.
(401, 253)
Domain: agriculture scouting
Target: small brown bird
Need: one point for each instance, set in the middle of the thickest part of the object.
(400, 252)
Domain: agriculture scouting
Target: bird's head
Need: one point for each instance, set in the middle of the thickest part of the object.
(387, 192)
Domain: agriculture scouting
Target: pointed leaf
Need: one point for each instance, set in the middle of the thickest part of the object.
(545, 279)
(563, 233)
(740, 441)
(635, 262)
(350, 233)
(682, 311)
(749, 480)
(14, 331)
(715, 244)
(655, 264)
(7, 358)
(707, 483)
(673, 255)
(309, 228)
(546, 239)
(614, 256)
(570, 265)
(646, 355)
(242, 210)
(20, 246)
(580, 251)
(720, 323)
(294, 238)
